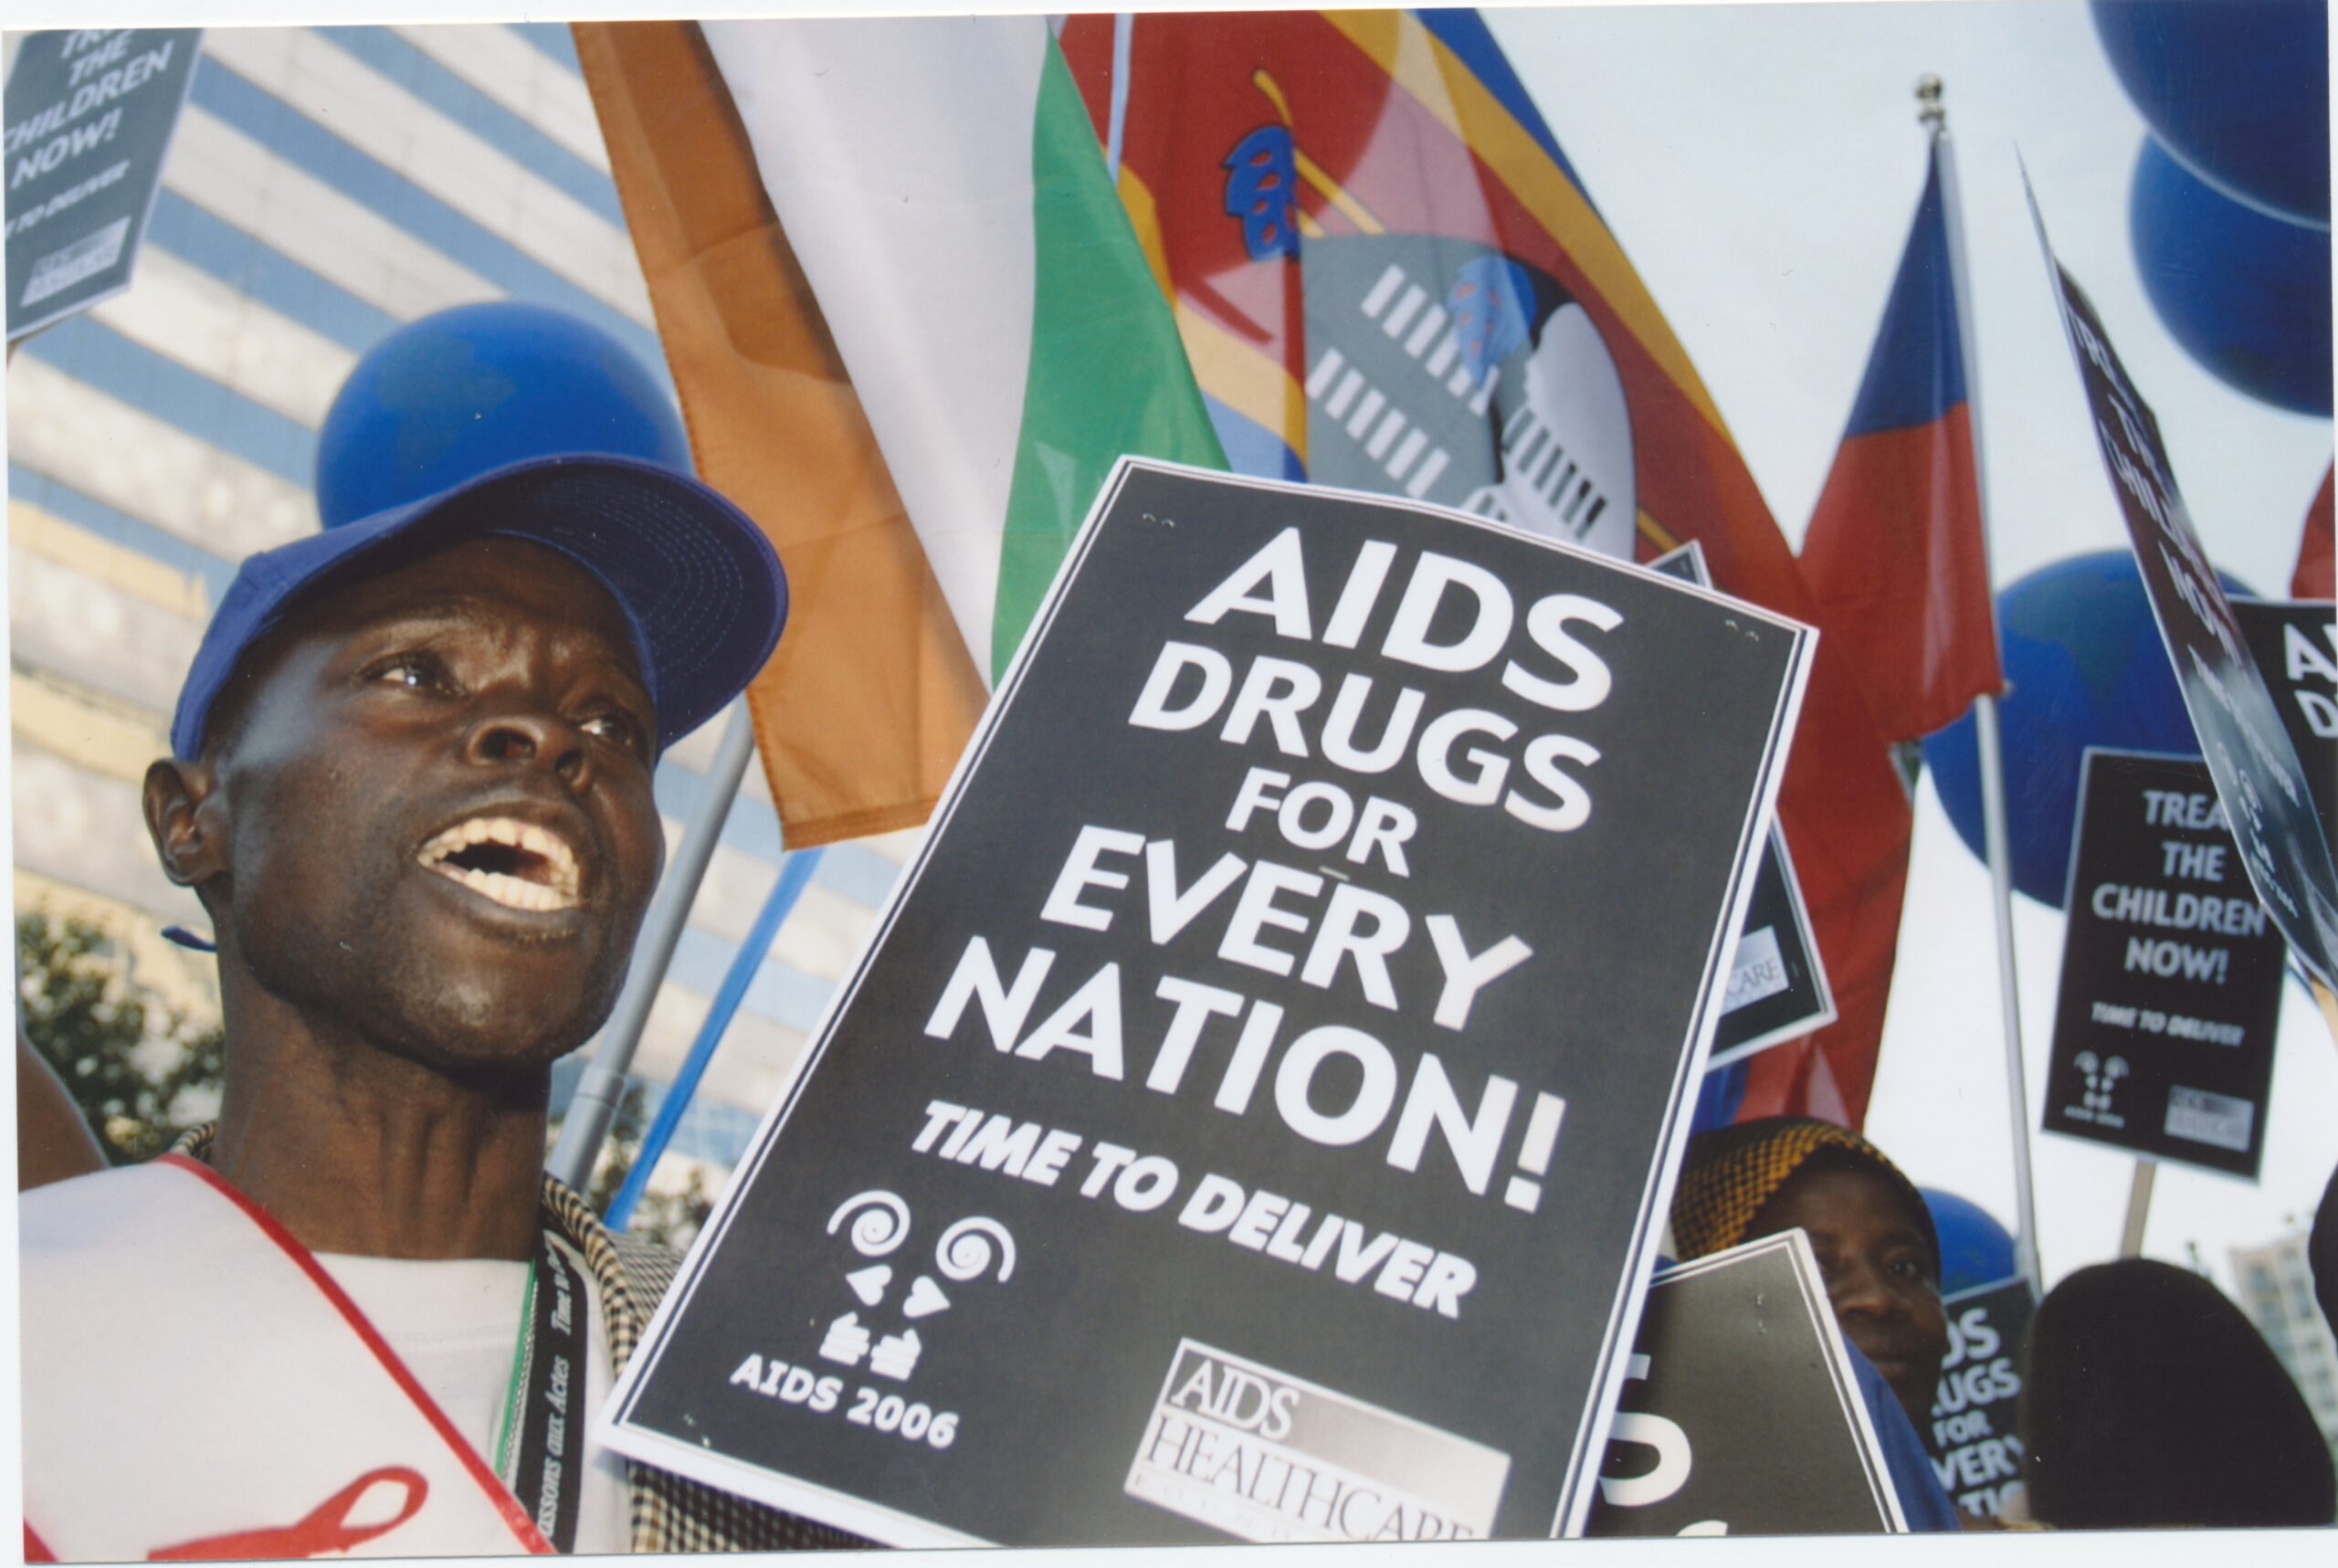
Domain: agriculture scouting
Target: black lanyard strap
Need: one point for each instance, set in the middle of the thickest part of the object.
(549, 1475)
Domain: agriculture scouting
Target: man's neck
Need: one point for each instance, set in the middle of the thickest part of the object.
(356, 1150)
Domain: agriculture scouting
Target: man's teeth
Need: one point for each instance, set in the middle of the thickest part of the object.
(510, 892)
(556, 886)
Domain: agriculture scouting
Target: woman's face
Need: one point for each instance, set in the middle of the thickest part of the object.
(1878, 1272)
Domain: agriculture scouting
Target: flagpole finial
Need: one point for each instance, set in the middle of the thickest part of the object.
(1928, 95)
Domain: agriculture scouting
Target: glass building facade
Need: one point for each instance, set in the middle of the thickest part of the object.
(326, 186)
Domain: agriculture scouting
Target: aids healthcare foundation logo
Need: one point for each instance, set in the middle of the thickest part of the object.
(1267, 1457)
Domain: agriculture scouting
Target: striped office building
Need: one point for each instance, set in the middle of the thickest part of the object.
(326, 186)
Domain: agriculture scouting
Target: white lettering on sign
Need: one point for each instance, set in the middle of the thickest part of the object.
(1452, 617)
(1758, 970)
(2303, 661)
(1270, 1457)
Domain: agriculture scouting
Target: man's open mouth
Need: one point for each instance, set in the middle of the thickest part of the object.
(514, 863)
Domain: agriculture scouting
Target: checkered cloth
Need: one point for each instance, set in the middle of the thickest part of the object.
(1731, 1173)
(669, 1514)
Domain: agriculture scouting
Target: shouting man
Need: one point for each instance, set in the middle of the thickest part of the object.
(411, 786)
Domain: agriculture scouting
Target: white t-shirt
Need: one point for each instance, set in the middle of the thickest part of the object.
(456, 1324)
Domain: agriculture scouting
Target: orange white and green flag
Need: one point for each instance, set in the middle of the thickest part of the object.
(912, 331)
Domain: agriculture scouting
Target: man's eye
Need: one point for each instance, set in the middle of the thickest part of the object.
(415, 671)
(616, 729)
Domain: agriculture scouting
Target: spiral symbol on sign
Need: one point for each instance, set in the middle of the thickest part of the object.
(966, 1249)
(881, 1222)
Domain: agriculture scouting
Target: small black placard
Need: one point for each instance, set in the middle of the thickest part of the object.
(90, 117)
(2171, 972)
(1742, 1416)
(1974, 1447)
(1777, 988)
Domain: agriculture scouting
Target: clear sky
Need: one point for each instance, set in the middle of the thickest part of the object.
(1760, 164)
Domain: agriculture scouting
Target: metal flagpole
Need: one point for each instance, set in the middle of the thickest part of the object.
(1985, 716)
(1123, 29)
(1993, 818)
(594, 1106)
(2139, 1208)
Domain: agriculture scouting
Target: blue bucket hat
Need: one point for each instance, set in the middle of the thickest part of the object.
(514, 421)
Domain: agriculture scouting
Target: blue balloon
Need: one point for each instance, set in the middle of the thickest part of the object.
(2240, 93)
(1974, 1249)
(2084, 666)
(2247, 295)
(450, 396)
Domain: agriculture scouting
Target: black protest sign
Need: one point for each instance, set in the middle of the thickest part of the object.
(1254, 1111)
(2258, 775)
(1743, 1416)
(1777, 988)
(2171, 972)
(2296, 649)
(1974, 1444)
(90, 114)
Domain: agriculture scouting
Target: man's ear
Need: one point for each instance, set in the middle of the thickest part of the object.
(184, 819)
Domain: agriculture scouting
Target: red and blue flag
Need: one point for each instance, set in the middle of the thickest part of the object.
(1895, 553)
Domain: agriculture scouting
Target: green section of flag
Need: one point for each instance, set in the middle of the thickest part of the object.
(1108, 373)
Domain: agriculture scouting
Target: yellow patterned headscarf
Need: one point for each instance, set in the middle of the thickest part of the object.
(1731, 1173)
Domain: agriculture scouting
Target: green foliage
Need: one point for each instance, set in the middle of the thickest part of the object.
(141, 1071)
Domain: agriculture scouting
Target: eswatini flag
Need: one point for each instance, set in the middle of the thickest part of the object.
(1388, 278)
(1895, 555)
